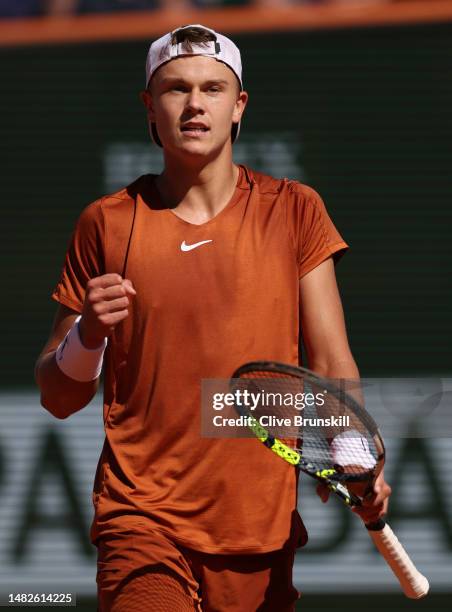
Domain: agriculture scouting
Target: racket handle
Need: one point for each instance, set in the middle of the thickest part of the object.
(413, 583)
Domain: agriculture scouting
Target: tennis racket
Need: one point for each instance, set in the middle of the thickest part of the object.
(318, 427)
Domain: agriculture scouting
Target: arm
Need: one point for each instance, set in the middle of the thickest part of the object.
(323, 325)
(105, 305)
(61, 395)
(329, 355)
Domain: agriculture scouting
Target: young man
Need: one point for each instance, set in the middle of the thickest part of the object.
(215, 261)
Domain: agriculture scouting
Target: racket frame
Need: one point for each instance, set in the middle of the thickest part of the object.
(413, 583)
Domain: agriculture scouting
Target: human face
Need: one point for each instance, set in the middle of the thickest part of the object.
(193, 100)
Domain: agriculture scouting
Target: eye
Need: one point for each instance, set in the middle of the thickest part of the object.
(176, 87)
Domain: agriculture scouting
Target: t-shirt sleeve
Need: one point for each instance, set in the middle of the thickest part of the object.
(314, 236)
(84, 258)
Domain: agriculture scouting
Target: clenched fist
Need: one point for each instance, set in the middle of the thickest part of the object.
(106, 304)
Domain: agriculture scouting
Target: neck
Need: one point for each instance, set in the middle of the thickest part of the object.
(197, 193)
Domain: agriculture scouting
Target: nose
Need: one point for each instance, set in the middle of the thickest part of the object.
(194, 101)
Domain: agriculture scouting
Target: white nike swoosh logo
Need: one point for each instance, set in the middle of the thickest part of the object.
(190, 247)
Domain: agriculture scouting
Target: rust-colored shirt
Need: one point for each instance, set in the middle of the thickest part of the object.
(198, 313)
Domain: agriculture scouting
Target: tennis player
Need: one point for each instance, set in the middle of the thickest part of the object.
(215, 262)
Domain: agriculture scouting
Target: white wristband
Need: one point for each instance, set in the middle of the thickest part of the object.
(77, 361)
(351, 448)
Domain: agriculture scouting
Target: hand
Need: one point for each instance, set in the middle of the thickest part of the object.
(375, 503)
(106, 304)
(323, 492)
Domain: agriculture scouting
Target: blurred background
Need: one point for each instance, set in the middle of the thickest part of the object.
(26, 8)
(353, 97)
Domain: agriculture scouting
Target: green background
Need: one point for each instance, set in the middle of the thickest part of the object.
(330, 603)
(372, 112)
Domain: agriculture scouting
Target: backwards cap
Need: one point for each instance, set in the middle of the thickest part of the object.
(221, 48)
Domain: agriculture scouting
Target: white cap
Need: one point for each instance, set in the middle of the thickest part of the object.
(222, 49)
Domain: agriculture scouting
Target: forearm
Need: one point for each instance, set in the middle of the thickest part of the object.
(343, 367)
(70, 384)
(344, 372)
(61, 395)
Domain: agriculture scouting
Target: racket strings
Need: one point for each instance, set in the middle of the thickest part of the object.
(315, 421)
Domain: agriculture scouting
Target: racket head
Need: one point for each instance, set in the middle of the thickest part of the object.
(345, 456)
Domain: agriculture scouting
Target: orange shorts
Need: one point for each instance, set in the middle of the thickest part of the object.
(143, 570)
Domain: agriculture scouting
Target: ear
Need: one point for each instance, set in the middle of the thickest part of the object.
(239, 106)
(146, 98)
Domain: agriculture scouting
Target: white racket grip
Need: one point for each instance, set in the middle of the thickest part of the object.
(413, 583)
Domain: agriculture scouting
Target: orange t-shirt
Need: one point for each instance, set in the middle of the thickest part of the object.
(198, 314)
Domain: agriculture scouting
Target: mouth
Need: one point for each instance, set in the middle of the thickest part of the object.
(194, 129)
